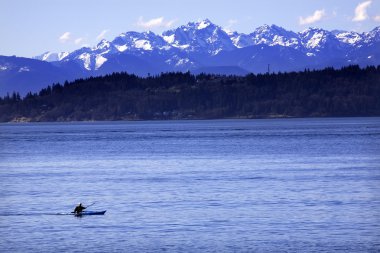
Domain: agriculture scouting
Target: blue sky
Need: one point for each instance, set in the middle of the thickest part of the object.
(31, 27)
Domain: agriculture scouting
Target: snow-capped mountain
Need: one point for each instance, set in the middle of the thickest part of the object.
(49, 56)
(203, 36)
(192, 45)
(204, 46)
(267, 35)
(147, 41)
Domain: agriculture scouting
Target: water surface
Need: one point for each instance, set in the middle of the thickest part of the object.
(286, 185)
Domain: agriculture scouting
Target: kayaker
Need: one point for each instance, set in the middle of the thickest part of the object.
(79, 208)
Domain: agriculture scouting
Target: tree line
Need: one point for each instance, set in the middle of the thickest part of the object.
(349, 91)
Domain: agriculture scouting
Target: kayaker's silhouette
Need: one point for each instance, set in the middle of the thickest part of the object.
(79, 208)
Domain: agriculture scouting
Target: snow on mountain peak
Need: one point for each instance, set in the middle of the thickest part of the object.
(139, 41)
(121, 48)
(169, 39)
(62, 55)
(271, 36)
(180, 47)
(144, 44)
(374, 35)
(103, 44)
(50, 56)
(99, 61)
(203, 24)
(262, 29)
(314, 38)
(241, 40)
(86, 58)
(349, 37)
(201, 36)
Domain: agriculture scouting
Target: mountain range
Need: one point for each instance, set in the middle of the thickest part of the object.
(196, 47)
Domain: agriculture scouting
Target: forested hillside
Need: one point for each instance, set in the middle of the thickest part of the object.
(350, 91)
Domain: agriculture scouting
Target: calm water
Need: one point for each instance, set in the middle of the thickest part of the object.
(289, 185)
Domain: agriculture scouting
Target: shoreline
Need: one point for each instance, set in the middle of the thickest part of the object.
(27, 121)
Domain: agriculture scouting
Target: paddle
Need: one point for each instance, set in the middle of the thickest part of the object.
(91, 205)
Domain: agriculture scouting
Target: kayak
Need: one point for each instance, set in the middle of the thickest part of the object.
(84, 213)
(90, 213)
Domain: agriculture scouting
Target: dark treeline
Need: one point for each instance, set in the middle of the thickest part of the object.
(350, 91)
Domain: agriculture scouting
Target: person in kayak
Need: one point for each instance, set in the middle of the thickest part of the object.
(79, 208)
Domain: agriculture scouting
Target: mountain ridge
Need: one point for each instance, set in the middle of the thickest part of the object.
(205, 45)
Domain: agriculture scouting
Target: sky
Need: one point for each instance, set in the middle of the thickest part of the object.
(32, 27)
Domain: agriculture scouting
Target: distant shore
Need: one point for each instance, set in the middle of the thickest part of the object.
(26, 120)
(348, 92)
